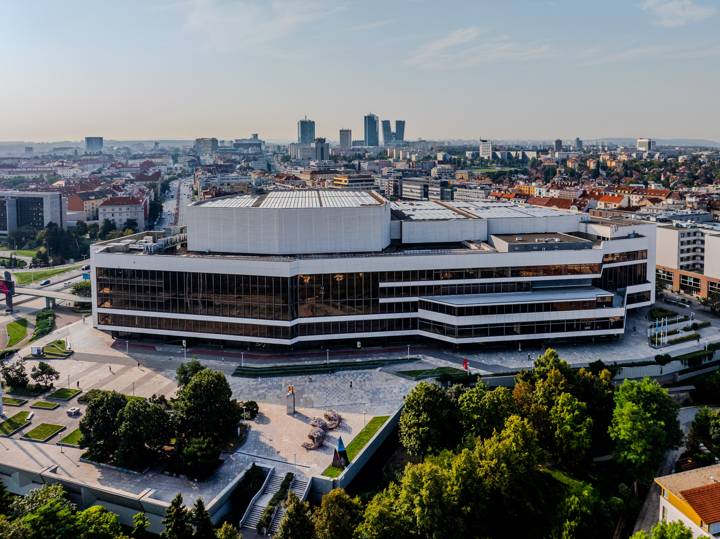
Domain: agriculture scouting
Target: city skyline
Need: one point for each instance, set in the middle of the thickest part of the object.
(524, 70)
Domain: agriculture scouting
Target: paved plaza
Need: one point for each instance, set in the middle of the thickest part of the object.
(145, 368)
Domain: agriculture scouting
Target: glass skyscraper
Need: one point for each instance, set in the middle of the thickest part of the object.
(306, 131)
(372, 135)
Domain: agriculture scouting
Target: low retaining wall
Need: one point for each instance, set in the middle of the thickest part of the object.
(321, 485)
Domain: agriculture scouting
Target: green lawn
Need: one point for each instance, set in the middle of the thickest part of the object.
(358, 443)
(12, 401)
(27, 277)
(72, 439)
(26, 252)
(43, 432)
(64, 394)
(44, 405)
(14, 423)
(16, 331)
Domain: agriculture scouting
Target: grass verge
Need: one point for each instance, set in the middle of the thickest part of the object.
(16, 331)
(358, 443)
(43, 432)
(44, 405)
(64, 394)
(14, 423)
(73, 439)
(26, 277)
(13, 401)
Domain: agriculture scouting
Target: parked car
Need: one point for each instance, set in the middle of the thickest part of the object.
(45, 282)
(74, 411)
(86, 267)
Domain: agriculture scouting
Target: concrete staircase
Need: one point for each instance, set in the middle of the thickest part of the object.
(298, 486)
(271, 487)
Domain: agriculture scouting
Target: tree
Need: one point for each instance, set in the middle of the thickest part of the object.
(5, 500)
(81, 228)
(44, 374)
(14, 373)
(82, 288)
(227, 531)
(337, 516)
(100, 425)
(200, 518)
(140, 525)
(666, 530)
(484, 412)
(297, 522)
(187, 370)
(144, 429)
(572, 429)
(203, 408)
(177, 520)
(644, 425)
(54, 518)
(200, 456)
(131, 224)
(96, 522)
(38, 497)
(383, 519)
(429, 420)
(106, 227)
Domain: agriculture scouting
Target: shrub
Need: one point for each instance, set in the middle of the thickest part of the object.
(250, 409)
(279, 496)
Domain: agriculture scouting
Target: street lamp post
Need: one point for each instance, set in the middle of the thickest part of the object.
(327, 356)
(242, 359)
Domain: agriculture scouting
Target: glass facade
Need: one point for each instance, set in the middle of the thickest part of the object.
(258, 330)
(3, 214)
(523, 328)
(29, 212)
(517, 308)
(621, 277)
(638, 297)
(629, 256)
(301, 298)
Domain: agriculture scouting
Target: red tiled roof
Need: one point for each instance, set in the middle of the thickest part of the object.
(612, 198)
(705, 501)
(120, 201)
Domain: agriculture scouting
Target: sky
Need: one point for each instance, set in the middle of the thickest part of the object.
(453, 69)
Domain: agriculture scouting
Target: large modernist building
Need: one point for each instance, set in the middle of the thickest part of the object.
(313, 266)
(31, 209)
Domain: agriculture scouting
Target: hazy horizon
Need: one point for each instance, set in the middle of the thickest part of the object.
(181, 69)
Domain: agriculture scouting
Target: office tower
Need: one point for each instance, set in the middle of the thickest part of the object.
(486, 149)
(321, 149)
(372, 136)
(93, 145)
(306, 131)
(399, 130)
(558, 145)
(206, 146)
(345, 138)
(388, 137)
(578, 144)
(645, 145)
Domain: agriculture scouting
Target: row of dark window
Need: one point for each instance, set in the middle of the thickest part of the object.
(257, 330)
(552, 270)
(302, 296)
(523, 328)
(628, 256)
(638, 297)
(454, 289)
(517, 308)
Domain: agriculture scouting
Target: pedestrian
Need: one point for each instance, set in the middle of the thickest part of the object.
(78, 384)
(350, 384)
(138, 364)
